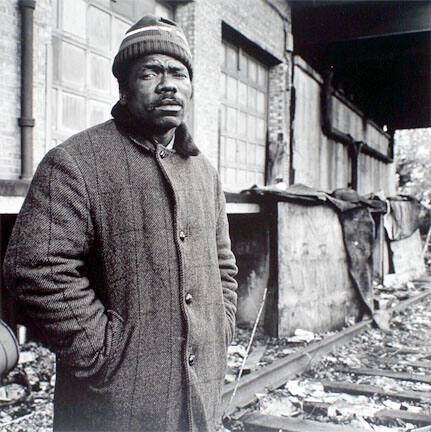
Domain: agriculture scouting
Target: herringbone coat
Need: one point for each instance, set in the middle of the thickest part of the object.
(121, 256)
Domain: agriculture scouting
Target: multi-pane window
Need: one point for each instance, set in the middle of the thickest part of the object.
(243, 118)
(85, 41)
(86, 38)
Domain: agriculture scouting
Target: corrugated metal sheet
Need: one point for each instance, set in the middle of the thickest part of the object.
(322, 163)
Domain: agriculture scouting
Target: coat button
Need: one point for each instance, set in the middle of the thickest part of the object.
(182, 235)
(163, 154)
(192, 359)
(188, 298)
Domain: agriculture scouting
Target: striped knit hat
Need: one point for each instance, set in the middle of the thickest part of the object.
(152, 35)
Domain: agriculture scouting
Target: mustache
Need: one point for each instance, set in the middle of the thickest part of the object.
(165, 102)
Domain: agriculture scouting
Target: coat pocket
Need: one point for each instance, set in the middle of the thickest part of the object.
(111, 349)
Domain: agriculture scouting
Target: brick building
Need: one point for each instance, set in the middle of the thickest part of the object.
(73, 88)
(256, 110)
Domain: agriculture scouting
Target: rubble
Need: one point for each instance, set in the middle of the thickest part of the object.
(26, 393)
(403, 349)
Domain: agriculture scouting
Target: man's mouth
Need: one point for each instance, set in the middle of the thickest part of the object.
(169, 105)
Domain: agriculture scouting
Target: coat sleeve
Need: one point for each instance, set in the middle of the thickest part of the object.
(45, 266)
(227, 267)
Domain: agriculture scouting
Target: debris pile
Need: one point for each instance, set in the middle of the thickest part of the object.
(26, 393)
(378, 382)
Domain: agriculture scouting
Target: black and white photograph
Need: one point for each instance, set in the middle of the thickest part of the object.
(215, 216)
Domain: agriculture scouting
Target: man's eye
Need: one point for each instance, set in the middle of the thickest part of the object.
(147, 75)
(180, 75)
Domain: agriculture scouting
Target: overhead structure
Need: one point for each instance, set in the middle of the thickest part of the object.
(379, 52)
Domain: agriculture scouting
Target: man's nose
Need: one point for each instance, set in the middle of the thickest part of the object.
(166, 84)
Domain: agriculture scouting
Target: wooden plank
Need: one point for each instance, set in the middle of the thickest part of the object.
(406, 416)
(264, 423)
(316, 408)
(321, 408)
(369, 390)
(425, 364)
(243, 198)
(408, 350)
(240, 208)
(390, 374)
(407, 256)
(315, 289)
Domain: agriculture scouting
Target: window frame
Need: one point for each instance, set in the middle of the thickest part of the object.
(247, 173)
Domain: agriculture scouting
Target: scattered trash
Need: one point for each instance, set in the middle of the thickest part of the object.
(301, 336)
(237, 349)
(27, 356)
(26, 393)
(392, 405)
(396, 349)
(279, 408)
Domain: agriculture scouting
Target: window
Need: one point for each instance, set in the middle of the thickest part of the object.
(243, 118)
(85, 40)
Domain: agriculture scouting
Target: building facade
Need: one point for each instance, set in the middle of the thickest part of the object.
(255, 111)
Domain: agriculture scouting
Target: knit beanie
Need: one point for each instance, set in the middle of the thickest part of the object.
(152, 35)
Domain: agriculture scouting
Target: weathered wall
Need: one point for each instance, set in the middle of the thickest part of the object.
(407, 259)
(250, 244)
(9, 91)
(261, 23)
(317, 161)
(10, 44)
(54, 20)
(314, 289)
(322, 163)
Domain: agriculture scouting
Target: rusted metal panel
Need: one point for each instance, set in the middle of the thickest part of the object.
(307, 136)
(323, 163)
(375, 176)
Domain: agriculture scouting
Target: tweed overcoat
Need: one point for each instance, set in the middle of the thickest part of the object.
(121, 256)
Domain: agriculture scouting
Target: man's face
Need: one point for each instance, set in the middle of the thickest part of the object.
(158, 91)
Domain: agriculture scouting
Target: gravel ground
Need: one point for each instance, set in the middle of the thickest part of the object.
(407, 341)
(27, 392)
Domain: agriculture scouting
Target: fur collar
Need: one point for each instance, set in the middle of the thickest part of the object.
(128, 125)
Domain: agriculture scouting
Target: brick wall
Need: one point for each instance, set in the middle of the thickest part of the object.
(9, 90)
(259, 20)
(262, 22)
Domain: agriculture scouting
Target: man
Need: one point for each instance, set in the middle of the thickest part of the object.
(121, 255)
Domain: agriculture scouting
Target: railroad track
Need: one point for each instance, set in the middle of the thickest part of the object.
(397, 367)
